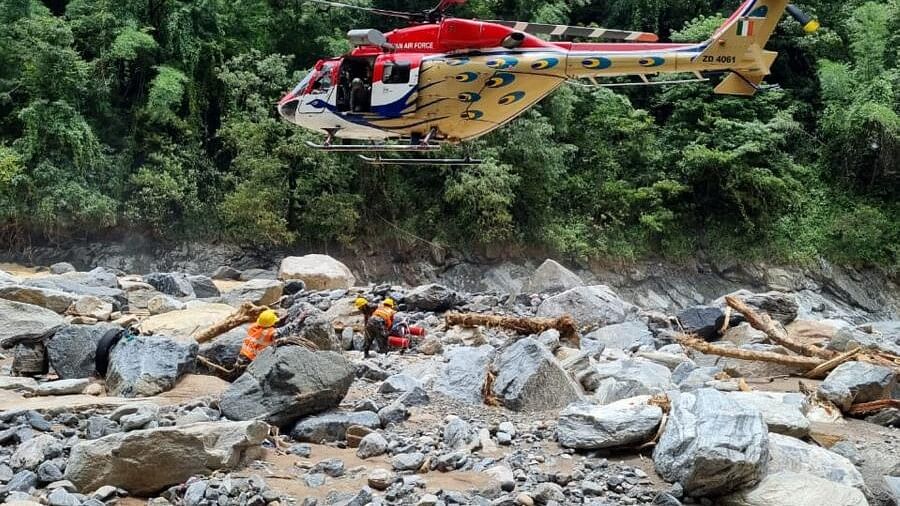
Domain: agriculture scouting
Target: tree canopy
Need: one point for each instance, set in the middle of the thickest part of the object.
(157, 117)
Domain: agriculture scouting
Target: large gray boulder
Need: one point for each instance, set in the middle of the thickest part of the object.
(796, 489)
(627, 378)
(101, 277)
(203, 287)
(623, 423)
(551, 277)
(318, 272)
(114, 296)
(791, 454)
(175, 284)
(530, 379)
(781, 417)
(627, 336)
(286, 383)
(464, 374)
(590, 306)
(855, 382)
(877, 336)
(782, 307)
(26, 323)
(72, 350)
(225, 348)
(143, 462)
(148, 365)
(262, 292)
(62, 268)
(332, 427)
(711, 444)
(433, 297)
(704, 321)
(54, 300)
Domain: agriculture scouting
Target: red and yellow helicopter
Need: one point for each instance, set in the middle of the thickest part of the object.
(448, 80)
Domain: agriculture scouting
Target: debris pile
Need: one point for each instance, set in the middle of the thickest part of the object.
(120, 386)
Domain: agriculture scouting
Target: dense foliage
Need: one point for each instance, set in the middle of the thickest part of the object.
(157, 116)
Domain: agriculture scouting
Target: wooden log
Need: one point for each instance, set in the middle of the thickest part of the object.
(775, 332)
(564, 324)
(866, 408)
(246, 313)
(827, 366)
(800, 362)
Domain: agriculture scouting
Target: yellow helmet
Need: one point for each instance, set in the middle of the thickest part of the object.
(360, 302)
(389, 302)
(267, 318)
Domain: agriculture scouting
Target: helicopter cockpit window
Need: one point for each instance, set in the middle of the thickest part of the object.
(323, 81)
(396, 72)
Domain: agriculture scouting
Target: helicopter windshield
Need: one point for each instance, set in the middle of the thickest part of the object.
(322, 80)
(301, 88)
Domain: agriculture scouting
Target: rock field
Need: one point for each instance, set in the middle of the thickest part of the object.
(628, 413)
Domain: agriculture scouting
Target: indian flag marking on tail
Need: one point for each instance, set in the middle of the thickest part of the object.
(745, 28)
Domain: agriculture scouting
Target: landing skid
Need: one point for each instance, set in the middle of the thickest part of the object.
(373, 148)
(378, 160)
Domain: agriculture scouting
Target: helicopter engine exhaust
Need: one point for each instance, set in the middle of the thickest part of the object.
(513, 40)
(369, 37)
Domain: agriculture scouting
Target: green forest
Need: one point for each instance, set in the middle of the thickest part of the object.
(157, 117)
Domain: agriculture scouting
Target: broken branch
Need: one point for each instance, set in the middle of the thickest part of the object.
(800, 362)
(866, 408)
(248, 312)
(822, 370)
(776, 333)
(564, 324)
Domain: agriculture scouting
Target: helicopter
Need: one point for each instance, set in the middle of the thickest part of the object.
(446, 80)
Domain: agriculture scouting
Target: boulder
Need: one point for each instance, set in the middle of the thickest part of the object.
(530, 379)
(32, 452)
(21, 322)
(792, 455)
(148, 365)
(867, 337)
(796, 489)
(97, 277)
(781, 307)
(286, 383)
(855, 382)
(203, 287)
(431, 297)
(319, 272)
(743, 334)
(114, 296)
(224, 349)
(457, 432)
(63, 387)
(181, 325)
(711, 444)
(226, 273)
(251, 274)
(72, 350)
(623, 423)
(464, 374)
(399, 383)
(175, 284)
(590, 306)
(62, 268)
(332, 427)
(163, 303)
(54, 300)
(92, 306)
(780, 417)
(552, 277)
(628, 336)
(372, 445)
(703, 321)
(627, 378)
(167, 455)
(319, 330)
(262, 292)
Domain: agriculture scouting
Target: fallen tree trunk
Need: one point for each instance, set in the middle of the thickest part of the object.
(246, 313)
(564, 324)
(866, 408)
(800, 362)
(822, 370)
(776, 333)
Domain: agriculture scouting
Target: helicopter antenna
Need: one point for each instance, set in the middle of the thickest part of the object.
(430, 16)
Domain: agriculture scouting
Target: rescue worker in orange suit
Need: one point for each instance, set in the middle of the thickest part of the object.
(378, 323)
(260, 336)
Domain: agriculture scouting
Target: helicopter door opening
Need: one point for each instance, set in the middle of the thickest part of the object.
(355, 87)
(396, 78)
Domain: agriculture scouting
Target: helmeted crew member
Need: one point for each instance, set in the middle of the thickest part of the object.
(260, 336)
(378, 326)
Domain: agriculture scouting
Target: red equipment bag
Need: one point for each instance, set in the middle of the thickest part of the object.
(398, 342)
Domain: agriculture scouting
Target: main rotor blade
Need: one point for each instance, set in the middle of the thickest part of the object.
(578, 31)
(411, 16)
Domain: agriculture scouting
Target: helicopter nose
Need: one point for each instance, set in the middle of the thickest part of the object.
(287, 108)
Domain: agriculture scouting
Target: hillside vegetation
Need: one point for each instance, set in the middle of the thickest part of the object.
(157, 116)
